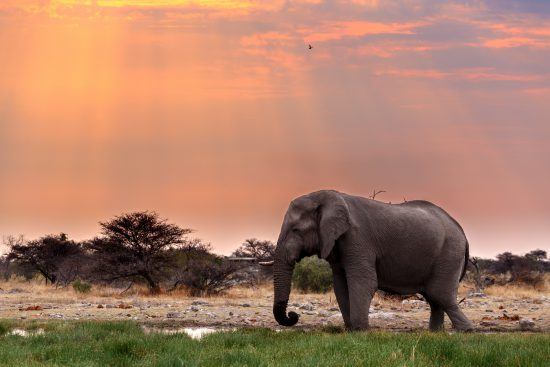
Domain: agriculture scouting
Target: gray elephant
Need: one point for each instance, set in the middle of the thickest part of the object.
(408, 248)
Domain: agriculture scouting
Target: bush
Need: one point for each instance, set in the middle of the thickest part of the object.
(81, 287)
(201, 272)
(313, 275)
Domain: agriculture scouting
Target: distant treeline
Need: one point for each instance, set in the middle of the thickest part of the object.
(142, 248)
(509, 268)
(137, 247)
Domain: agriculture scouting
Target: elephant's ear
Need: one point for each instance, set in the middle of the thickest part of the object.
(334, 221)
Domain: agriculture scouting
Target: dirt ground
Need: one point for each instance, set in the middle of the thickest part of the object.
(499, 309)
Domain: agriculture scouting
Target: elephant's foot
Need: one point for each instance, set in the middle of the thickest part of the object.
(437, 328)
(467, 328)
(359, 326)
(459, 320)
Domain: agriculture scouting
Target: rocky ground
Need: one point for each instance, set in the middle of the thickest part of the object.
(252, 308)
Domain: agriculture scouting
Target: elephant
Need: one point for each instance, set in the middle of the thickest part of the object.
(408, 248)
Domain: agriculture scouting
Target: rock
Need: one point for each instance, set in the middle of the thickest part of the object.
(32, 308)
(173, 315)
(382, 315)
(506, 317)
(307, 306)
(194, 308)
(332, 309)
(230, 313)
(413, 302)
(245, 305)
(478, 295)
(124, 306)
(100, 306)
(109, 306)
(323, 313)
(526, 324)
(200, 303)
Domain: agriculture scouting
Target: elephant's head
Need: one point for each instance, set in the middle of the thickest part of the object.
(311, 226)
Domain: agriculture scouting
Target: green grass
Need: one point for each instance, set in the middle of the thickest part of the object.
(124, 344)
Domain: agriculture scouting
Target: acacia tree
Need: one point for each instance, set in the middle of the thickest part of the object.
(136, 245)
(53, 256)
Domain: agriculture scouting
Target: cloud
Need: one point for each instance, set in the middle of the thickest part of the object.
(468, 74)
(330, 31)
(511, 42)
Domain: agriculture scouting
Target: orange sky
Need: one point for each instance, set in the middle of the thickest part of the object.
(215, 114)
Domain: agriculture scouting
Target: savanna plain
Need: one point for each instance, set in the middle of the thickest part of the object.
(46, 326)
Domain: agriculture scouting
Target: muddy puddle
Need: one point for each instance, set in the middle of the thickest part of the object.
(196, 333)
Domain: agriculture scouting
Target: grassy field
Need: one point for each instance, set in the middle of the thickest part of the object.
(125, 344)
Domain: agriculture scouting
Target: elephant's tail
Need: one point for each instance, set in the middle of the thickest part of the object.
(466, 259)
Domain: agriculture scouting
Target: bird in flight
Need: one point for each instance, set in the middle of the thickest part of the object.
(310, 47)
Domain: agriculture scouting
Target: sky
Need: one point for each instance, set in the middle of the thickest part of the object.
(216, 114)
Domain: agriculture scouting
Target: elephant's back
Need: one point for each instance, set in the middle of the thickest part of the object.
(452, 227)
(415, 241)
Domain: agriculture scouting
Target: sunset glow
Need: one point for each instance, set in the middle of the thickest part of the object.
(216, 114)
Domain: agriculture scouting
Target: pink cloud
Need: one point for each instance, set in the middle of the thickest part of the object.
(517, 33)
(413, 73)
(264, 39)
(510, 42)
(338, 30)
(475, 74)
(388, 49)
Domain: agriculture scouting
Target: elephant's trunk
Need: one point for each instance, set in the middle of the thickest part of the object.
(282, 275)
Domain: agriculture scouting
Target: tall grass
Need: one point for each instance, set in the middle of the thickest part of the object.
(125, 344)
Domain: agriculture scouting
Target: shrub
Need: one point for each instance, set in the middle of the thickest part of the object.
(208, 274)
(81, 287)
(312, 275)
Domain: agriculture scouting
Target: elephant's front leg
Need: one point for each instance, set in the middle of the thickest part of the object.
(341, 291)
(362, 284)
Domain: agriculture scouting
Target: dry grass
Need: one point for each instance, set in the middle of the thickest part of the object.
(514, 290)
(39, 289)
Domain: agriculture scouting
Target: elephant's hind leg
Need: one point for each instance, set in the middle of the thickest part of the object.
(437, 315)
(440, 303)
(442, 288)
(441, 300)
